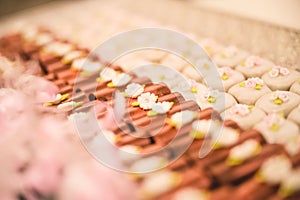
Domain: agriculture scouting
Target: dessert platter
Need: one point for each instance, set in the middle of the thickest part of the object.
(50, 84)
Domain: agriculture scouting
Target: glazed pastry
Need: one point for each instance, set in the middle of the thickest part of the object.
(280, 78)
(229, 56)
(249, 91)
(295, 115)
(246, 116)
(278, 101)
(296, 87)
(219, 101)
(254, 66)
(230, 77)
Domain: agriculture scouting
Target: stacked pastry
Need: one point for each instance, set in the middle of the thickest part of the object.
(261, 117)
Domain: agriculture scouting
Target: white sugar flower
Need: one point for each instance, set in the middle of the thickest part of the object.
(90, 66)
(68, 106)
(72, 56)
(182, 118)
(58, 48)
(146, 100)
(228, 136)
(290, 184)
(121, 79)
(275, 169)
(200, 128)
(161, 107)
(244, 150)
(190, 194)
(108, 74)
(160, 183)
(133, 90)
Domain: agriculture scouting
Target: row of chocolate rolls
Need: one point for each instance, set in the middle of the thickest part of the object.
(242, 164)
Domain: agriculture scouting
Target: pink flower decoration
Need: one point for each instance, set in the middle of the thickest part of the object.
(225, 70)
(284, 71)
(240, 109)
(250, 83)
(278, 70)
(272, 119)
(253, 61)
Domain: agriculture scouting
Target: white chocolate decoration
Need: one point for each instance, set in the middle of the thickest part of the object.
(146, 100)
(133, 90)
(182, 118)
(228, 136)
(108, 74)
(275, 169)
(290, 184)
(243, 151)
(278, 101)
(190, 194)
(280, 78)
(58, 48)
(121, 79)
(160, 183)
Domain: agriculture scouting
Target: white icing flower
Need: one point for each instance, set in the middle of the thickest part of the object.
(225, 72)
(68, 106)
(275, 169)
(210, 95)
(161, 107)
(240, 109)
(133, 90)
(58, 48)
(245, 150)
(200, 128)
(43, 38)
(290, 183)
(72, 56)
(159, 183)
(108, 74)
(253, 61)
(182, 118)
(227, 137)
(146, 100)
(58, 98)
(78, 116)
(278, 70)
(121, 79)
(190, 194)
(148, 164)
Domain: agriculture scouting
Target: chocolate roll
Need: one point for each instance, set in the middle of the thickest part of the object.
(185, 105)
(56, 66)
(159, 89)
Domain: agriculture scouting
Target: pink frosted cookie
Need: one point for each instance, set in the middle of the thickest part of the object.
(276, 129)
(278, 101)
(296, 87)
(280, 78)
(246, 116)
(213, 98)
(254, 66)
(249, 91)
(210, 46)
(295, 115)
(229, 56)
(230, 77)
